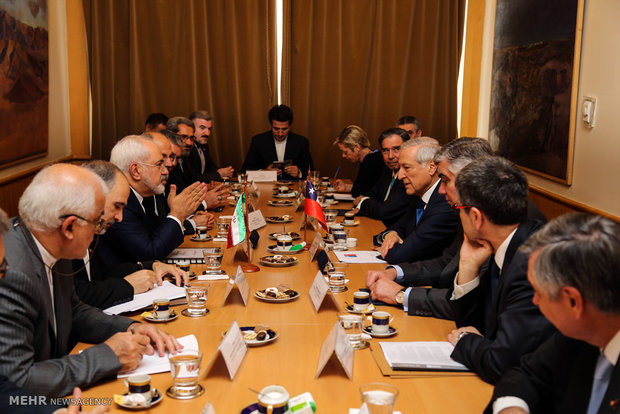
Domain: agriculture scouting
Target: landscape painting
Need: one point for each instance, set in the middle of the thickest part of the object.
(534, 84)
(23, 80)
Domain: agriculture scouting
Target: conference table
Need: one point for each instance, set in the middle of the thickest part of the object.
(291, 360)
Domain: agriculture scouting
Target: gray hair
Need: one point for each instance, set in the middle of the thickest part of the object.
(174, 122)
(104, 169)
(201, 114)
(4, 222)
(579, 250)
(461, 151)
(428, 148)
(53, 194)
(129, 150)
(172, 137)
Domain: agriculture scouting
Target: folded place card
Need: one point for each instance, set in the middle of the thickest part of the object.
(336, 343)
(232, 349)
(242, 287)
(316, 243)
(319, 290)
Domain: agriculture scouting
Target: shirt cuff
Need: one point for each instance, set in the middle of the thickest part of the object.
(178, 222)
(506, 402)
(204, 204)
(192, 222)
(359, 205)
(406, 300)
(462, 290)
(400, 275)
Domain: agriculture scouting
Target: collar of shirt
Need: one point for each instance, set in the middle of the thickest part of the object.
(47, 257)
(612, 349)
(427, 195)
(501, 250)
(280, 148)
(140, 198)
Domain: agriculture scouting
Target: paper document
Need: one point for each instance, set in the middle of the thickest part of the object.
(153, 364)
(262, 176)
(145, 300)
(421, 356)
(359, 256)
(213, 277)
(343, 197)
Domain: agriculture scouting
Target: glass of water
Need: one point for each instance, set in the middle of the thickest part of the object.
(352, 325)
(379, 397)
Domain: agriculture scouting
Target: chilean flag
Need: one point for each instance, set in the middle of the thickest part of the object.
(312, 207)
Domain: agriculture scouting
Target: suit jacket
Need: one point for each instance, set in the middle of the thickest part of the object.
(262, 153)
(429, 237)
(440, 273)
(102, 291)
(390, 210)
(557, 378)
(137, 238)
(181, 176)
(8, 389)
(367, 175)
(512, 327)
(31, 355)
(209, 173)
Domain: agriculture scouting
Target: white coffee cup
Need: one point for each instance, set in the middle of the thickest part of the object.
(140, 384)
(201, 232)
(351, 242)
(361, 300)
(273, 399)
(381, 322)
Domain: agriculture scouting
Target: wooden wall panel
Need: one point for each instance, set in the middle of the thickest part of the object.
(553, 205)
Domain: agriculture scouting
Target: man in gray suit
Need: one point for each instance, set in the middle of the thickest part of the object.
(41, 318)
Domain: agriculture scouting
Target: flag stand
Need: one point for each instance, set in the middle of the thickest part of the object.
(248, 267)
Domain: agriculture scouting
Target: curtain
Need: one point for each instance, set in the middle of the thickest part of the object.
(177, 56)
(368, 62)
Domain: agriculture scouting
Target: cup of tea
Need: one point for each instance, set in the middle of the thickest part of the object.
(283, 190)
(340, 237)
(185, 371)
(161, 308)
(361, 300)
(140, 384)
(379, 397)
(352, 325)
(196, 300)
(183, 265)
(329, 197)
(273, 399)
(381, 321)
(201, 232)
(349, 218)
(284, 242)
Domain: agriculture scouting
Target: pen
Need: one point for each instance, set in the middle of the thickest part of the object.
(337, 171)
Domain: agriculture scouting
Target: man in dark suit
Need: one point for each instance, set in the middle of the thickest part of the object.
(494, 314)
(429, 226)
(41, 318)
(199, 156)
(281, 145)
(143, 235)
(573, 267)
(388, 200)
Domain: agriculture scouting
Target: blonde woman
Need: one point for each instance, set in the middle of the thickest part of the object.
(354, 144)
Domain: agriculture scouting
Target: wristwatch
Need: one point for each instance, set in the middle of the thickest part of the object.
(400, 296)
(462, 334)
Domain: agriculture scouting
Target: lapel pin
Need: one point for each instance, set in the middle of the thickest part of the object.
(613, 404)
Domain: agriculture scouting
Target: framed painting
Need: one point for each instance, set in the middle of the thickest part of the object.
(24, 78)
(534, 84)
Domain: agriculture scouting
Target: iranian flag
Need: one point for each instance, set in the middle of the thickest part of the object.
(236, 232)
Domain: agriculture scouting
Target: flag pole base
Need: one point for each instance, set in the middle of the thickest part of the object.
(250, 268)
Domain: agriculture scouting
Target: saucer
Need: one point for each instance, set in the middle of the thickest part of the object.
(279, 220)
(260, 295)
(250, 409)
(150, 316)
(391, 332)
(156, 398)
(287, 195)
(274, 249)
(357, 223)
(273, 335)
(278, 260)
(369, 309)
(185, 312)
(196, 239)
(280, 203)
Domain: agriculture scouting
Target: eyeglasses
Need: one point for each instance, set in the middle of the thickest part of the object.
(4, 266)
(192, 137)
(99, 224)
(171, 157)
(160, 164)
(460, 207)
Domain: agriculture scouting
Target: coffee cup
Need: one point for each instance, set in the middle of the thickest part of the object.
(340, 237)
(381, 322)
(140, 384)
(183, 265)
(329, 197)
(283, 190)
(161, 308)
(284, 242)
(201, 232)
(351, 242)
(349, 218)
(361, 300)
(273, 399)
(325, 181)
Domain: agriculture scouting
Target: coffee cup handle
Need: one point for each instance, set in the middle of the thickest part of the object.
(270, 409)
(391, 318)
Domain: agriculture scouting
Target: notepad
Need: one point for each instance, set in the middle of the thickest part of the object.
(413, 356)
(145, 300)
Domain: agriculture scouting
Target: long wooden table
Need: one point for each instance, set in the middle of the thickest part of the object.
(291, 360)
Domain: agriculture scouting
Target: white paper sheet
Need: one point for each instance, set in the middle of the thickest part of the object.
(343, 197)
(262, 176)
(213, 277)
(359, 256)
(144, 300)
(153, 364)
(421, 355)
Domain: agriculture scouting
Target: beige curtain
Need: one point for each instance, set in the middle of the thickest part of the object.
(176, 56)
(368, 62)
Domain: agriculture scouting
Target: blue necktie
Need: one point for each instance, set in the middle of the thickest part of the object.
(602, 375)
(387, 193)
(419, 210)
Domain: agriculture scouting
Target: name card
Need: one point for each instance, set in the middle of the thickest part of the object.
(338, 343)
(299, 203)
(318, 290)
(242, 285)
(262, 176)
(316, 243)
(256, 220)
(232, 350)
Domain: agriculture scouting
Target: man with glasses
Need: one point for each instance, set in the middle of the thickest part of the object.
(41, 318)
(143, 234)
(387, 200)
(411, 124)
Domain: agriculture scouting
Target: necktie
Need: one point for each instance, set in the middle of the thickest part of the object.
(494, 278)
(201, 154)
(387, 194)
(490, 317)
(419, 210)
(149, 206)
(602, 375)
